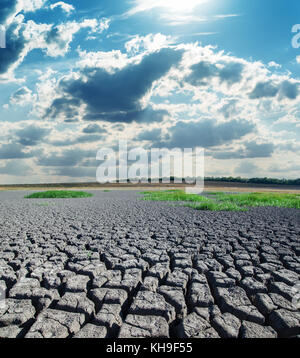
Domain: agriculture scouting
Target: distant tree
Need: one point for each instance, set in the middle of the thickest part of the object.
(264, 180)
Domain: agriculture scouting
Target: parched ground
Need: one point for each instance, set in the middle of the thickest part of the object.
(116, 266)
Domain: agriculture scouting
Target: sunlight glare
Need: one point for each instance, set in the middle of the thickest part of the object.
(178, 6)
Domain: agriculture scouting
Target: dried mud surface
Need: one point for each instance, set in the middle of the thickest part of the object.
(117, 266)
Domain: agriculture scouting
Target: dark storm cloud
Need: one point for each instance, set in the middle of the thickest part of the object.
(54, 37)
(229, 109)
(201, 71)
(88, 138)
(263, 89)
(151, 135)
(206, 133)
(264, 150)
(267, 89)
(230, 73)
(64, 105)
(141, 115)
(67, 158)
(14, 151)
(15, 44)
(7, 8)
(289, 90)
(250, 150)
(16, 168)
(31, 135)
(115, 97)
(94, 128)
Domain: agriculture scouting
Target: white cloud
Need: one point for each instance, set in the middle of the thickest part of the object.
(56, 42)
(136, 49)
(274, 64)
(25, 6)
(22, 97)
(110, 61)
(53, 40)
(68, 8)
(31, 5)
(219, 101)
(149, 43)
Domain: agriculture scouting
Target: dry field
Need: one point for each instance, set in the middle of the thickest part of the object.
(209, 186)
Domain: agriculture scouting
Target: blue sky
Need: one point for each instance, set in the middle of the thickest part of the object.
(76, 76)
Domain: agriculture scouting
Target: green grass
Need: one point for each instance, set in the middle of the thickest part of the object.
(215, 206)
(219, 201)
(172, 195)
(58, 194)
(280, 200)
(106, 191)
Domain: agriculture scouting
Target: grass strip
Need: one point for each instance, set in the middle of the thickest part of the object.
(172, 195)
(220, 201)
(280, 200)
(59, 194)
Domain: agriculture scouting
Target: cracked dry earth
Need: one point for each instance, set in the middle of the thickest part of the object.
(116, 266)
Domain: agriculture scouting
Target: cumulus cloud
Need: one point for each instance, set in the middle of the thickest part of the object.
(150, 135)
(268, 89)
(206, 133)
(7, 9)
(10, 8)
(67, 158)
(274, 64)
(248, 150)
(68, 8)
(56, 40)
(17, 41)
(88, 138)
(199, 95)
(22, 97)
(109, 61)
(289, 89)
(31, 135)
(94, 128)
(148, 43)
(116, 96)
(229, 108)
(15, 168)
(203, 71)
(23, 36)
(15, 50)
(14, 151)
(30, 5)
(231, 72)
